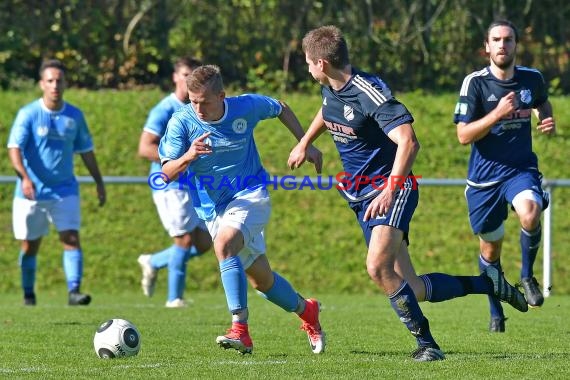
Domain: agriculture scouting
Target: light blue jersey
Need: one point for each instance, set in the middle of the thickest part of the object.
(47, 141)
(234, 167)
(156, 123)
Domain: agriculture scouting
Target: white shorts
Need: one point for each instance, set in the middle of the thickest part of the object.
(176, 212)
(249, 214)
(31, 219)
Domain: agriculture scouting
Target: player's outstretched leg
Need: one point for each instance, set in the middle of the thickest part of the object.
(505, 291)
(149, 275)
(311, 324)
(238, 338)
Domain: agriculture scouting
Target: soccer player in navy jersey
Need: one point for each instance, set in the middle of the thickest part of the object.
(210, 141)
(44, 137)
(377, 145)
(173, 203)
(493, 115)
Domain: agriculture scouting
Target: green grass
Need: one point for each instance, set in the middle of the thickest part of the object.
(365, 340)
(312, 234)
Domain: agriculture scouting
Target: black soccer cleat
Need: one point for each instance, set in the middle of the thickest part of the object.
(76, 298)
(427, 354)
(505, 291)
(532, 292)
(30, 300)
(497, 325)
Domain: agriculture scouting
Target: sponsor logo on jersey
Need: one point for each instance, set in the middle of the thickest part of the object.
(340, 133)
(324, 101)
(492, 98)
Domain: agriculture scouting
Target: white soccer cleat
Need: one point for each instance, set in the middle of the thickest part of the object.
(149, 275)
(175, 303)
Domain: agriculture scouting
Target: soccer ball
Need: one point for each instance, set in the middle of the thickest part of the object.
(117, 338)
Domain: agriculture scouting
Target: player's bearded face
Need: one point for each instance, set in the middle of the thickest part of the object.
(501, 46)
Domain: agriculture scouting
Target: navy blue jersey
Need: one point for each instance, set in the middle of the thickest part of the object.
(359, 117)
(507, 148)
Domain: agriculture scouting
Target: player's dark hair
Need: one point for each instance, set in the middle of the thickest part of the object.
(187, 61)
(328, 43)
(207, 76)
(506, 23)
(51, 64)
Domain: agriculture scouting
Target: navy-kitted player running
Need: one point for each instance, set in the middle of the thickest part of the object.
(374, 136)
(493, 114)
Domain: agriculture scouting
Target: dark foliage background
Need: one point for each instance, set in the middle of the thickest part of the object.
(428, 44)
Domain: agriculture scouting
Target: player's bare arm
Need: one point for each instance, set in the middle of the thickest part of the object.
(468, 133)
(546, 123)
(148, 146)
(289, 119)
(408, 147)
(91, 164)
(300, 152)
(199, 147)
(27, 184)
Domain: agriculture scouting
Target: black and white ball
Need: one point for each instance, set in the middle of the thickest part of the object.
(117, 338)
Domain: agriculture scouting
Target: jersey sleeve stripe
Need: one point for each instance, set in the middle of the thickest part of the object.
(152, 132)
(373, 93)
(467, 80)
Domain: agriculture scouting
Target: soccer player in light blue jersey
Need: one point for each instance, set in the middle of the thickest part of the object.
(377, 144)
(493, 115)
(212, 138)
(44, 137)
(173, 203)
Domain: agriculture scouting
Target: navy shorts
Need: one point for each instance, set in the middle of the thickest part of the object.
(399, 216)
(489, 206)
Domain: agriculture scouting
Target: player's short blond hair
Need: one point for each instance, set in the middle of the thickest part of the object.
(205, 77)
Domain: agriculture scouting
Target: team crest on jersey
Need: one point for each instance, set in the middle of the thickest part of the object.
(526, 96)
(348, 113)
(239, 125)
(43, 130)
(69, 123)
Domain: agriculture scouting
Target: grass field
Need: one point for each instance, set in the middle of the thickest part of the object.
(365, 340)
